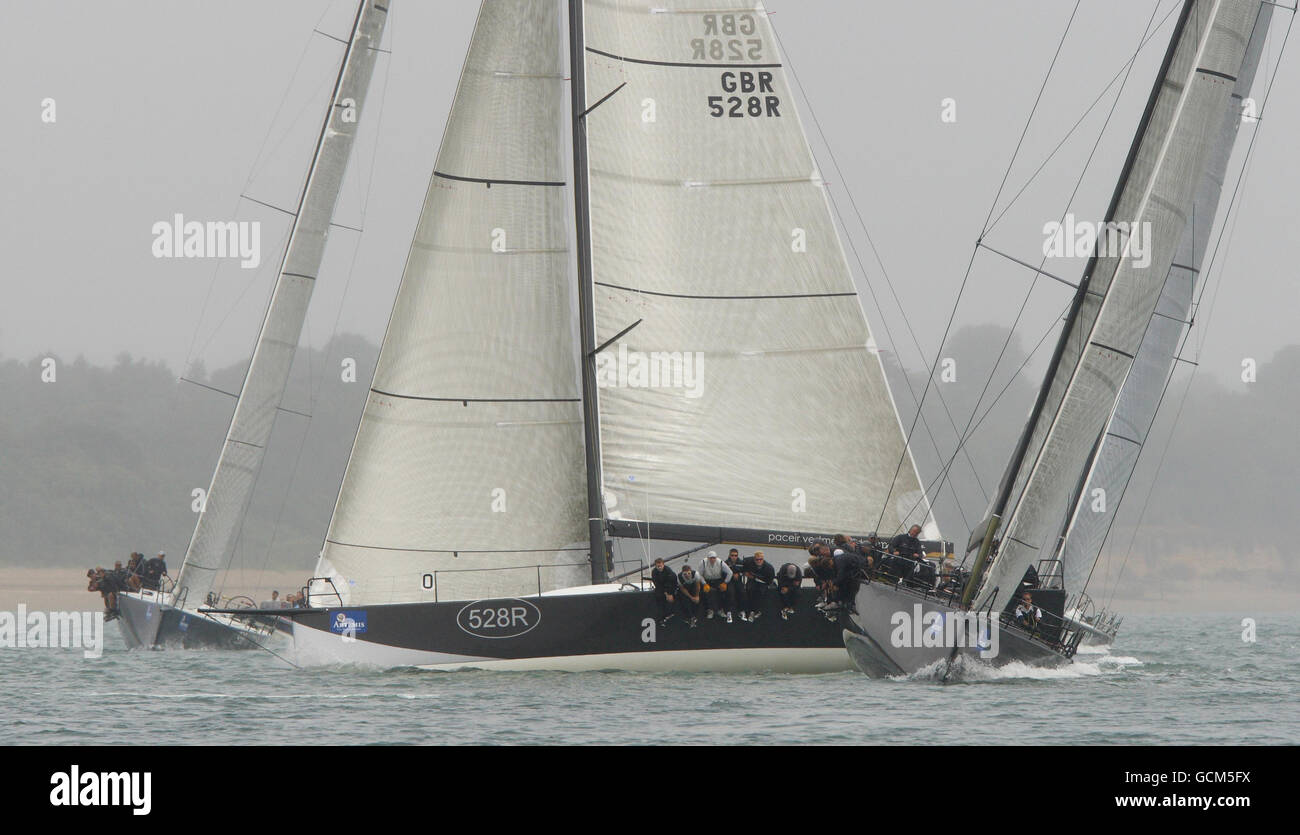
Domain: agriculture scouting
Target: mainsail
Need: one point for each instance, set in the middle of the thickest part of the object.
(466, 475)
(1118, 294)
(268, 371)
(750, 394)
(1126, 433)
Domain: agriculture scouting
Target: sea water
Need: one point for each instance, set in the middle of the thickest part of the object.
(1186, 679)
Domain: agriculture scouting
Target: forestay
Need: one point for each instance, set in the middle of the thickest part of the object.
(1121, 293)
(466, 475)
(1140, 397)
(750, 395)
(268, 371)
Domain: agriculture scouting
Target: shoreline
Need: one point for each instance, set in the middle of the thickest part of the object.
(64, 589)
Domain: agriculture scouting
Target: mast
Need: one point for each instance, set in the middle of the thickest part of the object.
(1099, 351)
(267, 376)
(1115, 457)
(982, 536)
(586, 303)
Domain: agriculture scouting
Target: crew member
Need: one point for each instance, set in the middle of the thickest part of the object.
(788, 581)
(1027, 614)
(907, 544)
(665, 583)
(108, 585)
(823, 572)
(845, 544)
(759, 574)
(736, 588)
(848, 567)
(154, 570)
(692, 593)
(133, 567)
(717, 580)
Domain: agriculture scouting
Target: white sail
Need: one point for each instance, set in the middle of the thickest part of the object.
(1103, 338)
(268, 371)
(1134, 413)
(466, 476)
(748, 395)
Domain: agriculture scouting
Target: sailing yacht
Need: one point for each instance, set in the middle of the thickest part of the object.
(508, 448)
(1115, 456)
(1106, 378)
(190, 613)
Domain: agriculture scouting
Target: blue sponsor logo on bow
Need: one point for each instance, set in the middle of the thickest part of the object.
(351, 621)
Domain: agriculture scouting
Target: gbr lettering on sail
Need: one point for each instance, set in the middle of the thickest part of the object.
(741, 93)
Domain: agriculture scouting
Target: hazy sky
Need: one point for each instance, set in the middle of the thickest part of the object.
(173, 107)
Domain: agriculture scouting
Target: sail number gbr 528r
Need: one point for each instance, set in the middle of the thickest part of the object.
(752, 104)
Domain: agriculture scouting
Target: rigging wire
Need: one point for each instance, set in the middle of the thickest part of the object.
(998, 397)
(884, 272)
(1122, 71)
(969, 265)
(1232, 202)
(238, 539)
(1069, 202)
(315, 393)
(266, 136)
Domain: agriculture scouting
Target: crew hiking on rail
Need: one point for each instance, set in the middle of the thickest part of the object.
(137, 574)
(722, 589)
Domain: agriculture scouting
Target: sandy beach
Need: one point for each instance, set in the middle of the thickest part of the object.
(64, 589)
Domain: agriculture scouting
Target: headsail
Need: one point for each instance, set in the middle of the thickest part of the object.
(465, 479)
(750, 394)
(268, 372)
(1118, 294)
(1127, 431)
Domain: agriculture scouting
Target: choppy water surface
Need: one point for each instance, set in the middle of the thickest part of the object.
(1169, 679)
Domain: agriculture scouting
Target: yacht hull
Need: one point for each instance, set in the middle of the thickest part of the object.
(878, 648)
(147, 622)
(614, 630)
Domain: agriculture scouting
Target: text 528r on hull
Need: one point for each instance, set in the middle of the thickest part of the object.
(501, 464)
(587, 628)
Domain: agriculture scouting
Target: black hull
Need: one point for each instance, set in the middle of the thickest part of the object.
(587, 631)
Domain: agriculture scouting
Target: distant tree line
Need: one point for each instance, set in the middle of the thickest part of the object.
(103, 461)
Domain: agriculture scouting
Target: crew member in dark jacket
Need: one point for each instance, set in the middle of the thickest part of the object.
(735, 588)
(153, 572)
(823, 572)
(907, 544)
(691, 594)
(759, 574)
(848, 568)
(665, 582)
(788, 581)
